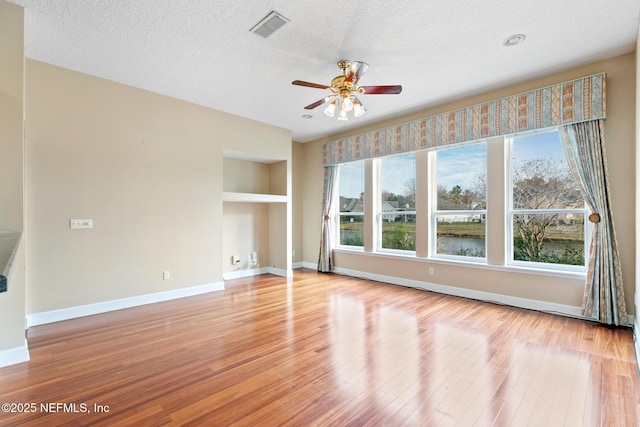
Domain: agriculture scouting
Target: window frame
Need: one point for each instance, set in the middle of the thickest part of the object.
(434, 212)
(379, 214)
(510, 212)
(498, 215)
(339, 214)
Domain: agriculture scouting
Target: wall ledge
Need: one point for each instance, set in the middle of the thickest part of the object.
(52, 316)
(9, 243)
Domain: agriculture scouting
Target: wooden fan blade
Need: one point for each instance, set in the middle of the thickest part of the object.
(378, 90)
(308, 84)
(356, 70)
(317, 103)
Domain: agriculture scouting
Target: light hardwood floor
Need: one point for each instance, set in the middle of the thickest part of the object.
(324, 349)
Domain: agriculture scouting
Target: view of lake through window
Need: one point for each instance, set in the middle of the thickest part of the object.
(461, 203)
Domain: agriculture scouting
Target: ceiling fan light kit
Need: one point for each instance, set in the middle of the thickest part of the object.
(344, 89)
(331, 109)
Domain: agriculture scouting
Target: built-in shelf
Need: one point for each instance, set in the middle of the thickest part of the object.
(254, 177)
(256, 199)
(253, 198)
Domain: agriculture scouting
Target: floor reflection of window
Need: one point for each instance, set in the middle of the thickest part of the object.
(397, 360)
(461, 381)
(547, 387)
(347, 326)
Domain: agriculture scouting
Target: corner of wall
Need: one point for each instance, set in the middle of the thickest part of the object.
(636, 323)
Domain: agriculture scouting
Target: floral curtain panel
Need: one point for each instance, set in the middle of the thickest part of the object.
(325, 261)
(604, 293)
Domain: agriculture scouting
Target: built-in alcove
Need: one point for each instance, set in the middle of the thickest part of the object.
(255, 218)
(261, 181)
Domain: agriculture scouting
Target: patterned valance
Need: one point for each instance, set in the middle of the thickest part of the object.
(575, 101)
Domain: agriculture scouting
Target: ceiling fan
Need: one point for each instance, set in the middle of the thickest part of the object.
(344, 89)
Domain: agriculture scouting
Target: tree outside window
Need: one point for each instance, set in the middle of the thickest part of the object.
(547, 209)
(397, 210)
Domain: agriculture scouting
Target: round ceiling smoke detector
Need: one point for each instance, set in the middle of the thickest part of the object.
(514, 40)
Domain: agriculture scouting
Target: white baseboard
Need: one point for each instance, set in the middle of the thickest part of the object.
(530, 304)
(568, 310)
(238, 274)
(13, 356)
(119, 304)
(256, 272)
(297, 265)
(281, 272)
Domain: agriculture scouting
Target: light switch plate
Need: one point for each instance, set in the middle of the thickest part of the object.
(75, 224)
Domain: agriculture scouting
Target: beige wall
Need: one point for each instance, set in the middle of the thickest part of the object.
(11, 76)
(146, 168)
(12, 302)
(243, 176)
(298, 190)
(620, 134)
(313, 181)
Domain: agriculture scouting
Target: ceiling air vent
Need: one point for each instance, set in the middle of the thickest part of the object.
(269, 24)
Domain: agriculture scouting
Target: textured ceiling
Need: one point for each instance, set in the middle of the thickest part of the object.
(202, 51)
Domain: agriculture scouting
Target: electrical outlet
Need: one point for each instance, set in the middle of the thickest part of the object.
(235, 259)
(166, 275)
(75, 224)
(432, 271)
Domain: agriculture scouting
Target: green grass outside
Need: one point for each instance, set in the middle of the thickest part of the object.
(466, 229)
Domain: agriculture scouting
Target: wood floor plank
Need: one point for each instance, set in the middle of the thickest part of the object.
(324, 349)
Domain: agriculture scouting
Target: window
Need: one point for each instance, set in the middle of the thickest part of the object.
(397, 209)
(538, 202)
(460, 209)
(547, 212)
(351, 192)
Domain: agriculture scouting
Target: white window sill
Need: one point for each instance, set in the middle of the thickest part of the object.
(411, 257)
